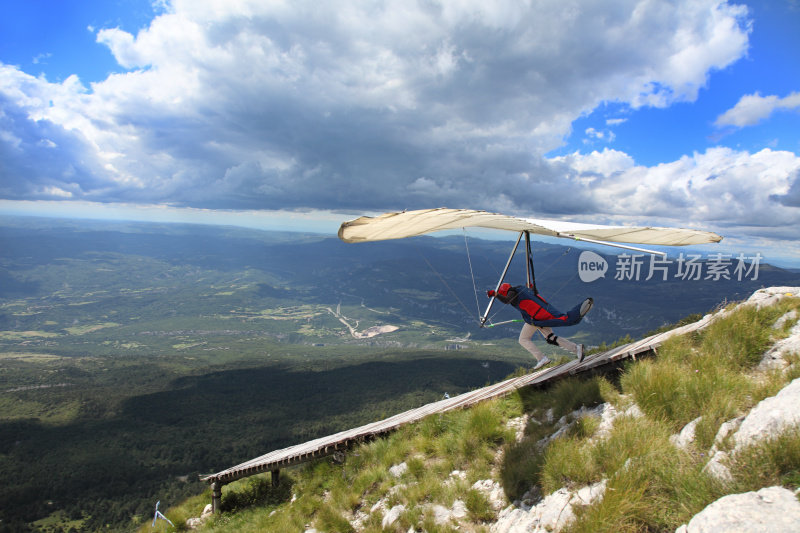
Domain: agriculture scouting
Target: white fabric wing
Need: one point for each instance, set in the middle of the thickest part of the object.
(413, 223)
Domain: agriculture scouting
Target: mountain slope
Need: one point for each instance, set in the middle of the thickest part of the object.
(620, 445)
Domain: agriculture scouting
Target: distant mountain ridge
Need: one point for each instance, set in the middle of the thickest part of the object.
(425, 277)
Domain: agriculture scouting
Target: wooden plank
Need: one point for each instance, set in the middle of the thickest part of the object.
(323, 446)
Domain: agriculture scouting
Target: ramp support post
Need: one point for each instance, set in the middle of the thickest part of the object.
(216, 497)
(276, 477)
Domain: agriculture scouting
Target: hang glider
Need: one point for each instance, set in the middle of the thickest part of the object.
(420, 222)
(414, 223)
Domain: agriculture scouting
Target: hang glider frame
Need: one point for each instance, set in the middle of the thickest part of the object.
(530, 275)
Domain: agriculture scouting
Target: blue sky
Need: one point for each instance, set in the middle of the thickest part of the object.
(266, 114)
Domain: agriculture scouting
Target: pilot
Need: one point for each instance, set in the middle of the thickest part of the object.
(541, 317)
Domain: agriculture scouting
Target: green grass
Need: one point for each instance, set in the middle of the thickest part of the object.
(772, 462)
(651, 484)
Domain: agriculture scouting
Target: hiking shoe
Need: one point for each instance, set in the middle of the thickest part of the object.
(586, 306)
(543, 361)
(581, 353)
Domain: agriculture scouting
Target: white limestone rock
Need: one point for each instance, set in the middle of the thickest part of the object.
(727, 428)
(685, 438)
(589, 494)
(771, 416)
(771, 295)
(551, 514)
(608, 414)
(775, 357)
(634, 412)
(493, 491)
(518, 424)
(398, 470)
(787, 317)
(441, 514)
(770, 510)
(715, 467)
(380, 505)
(766, 420)
(197, 522)
(459, 510)
(392, 516)
(456, 475)
(359, 517)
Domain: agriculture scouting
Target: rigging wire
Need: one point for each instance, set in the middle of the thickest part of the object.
(553, 264)
(565, 283)
(442, 280)
(471, 273)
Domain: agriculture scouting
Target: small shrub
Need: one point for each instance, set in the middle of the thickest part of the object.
(416, 467)
(255, 491)
(430, 526)
(617, 512)
(656, 389)
(740, 338)
(584, 427)
(567, 463)
(522, 462)
(485, 424)
(684, 383)
(572, 393)
(609, 392)
(479, 507)
(329, 519)
(630, 437)
(771, 462)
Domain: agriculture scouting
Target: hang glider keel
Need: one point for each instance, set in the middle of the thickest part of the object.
(614, 244)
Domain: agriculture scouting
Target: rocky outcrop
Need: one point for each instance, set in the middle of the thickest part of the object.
(770, 510)
(766, 420)
(771, 295)
(551, 514)
(195, 523)
(776, 357)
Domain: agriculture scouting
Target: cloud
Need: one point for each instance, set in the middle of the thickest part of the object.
(753, 108)
(363, 106)
(792, 196)
(599, 135)
(720, 188)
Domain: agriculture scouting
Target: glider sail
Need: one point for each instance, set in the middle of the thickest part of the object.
(413, 223)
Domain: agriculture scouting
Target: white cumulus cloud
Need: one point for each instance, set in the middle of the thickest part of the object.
(753, 108)
(720, 188)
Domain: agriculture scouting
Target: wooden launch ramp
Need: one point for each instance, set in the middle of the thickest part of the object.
(274, 461)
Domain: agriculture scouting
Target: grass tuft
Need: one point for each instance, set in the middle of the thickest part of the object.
(771, 462)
